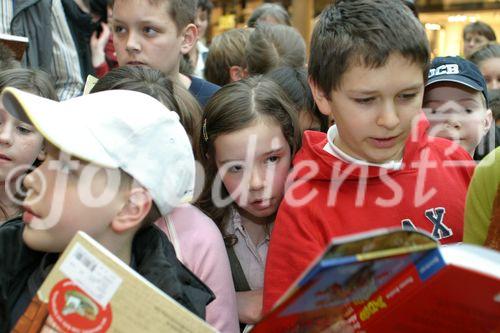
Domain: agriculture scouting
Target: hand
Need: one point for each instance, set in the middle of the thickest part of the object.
(98, 44)
(249, 306)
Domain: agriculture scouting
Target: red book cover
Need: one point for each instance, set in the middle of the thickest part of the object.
(411, 285)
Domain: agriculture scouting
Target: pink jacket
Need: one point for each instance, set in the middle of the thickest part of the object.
(199, 246)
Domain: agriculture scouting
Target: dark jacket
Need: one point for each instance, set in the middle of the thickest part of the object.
(80, 25)
(32, 18)
(22, 271)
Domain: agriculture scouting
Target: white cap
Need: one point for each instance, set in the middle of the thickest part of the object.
(117, 129)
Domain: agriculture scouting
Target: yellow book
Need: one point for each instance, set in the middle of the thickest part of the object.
(90, 290)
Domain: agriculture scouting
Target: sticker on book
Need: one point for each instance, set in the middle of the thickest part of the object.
(91, 275)
(73, 310)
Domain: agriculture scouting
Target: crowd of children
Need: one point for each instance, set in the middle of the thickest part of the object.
(228, 169)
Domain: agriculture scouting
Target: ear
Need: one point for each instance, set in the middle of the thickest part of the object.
(322, 100)
(189, 37)
(488, 121)
(237, 73)
(134, 211)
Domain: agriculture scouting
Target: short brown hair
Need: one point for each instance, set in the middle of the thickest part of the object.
(182, 12)
(273, 10)
(272, 46)
(365, 32)
(35, 81)
(480, 28)
(226, 50)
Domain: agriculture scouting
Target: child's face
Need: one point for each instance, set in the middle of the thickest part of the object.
(457, 113)
(253, 164)
(20, 146)
(145, 34)
(373, 108)
(490, 68)
(472, 42)
(65, 196)
(201, 21)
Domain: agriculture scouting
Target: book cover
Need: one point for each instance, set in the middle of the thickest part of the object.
(17, 44)
(91, 290)
(392, 281)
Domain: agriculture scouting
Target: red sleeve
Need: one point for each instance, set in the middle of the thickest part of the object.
(101, 70)
(295, 243)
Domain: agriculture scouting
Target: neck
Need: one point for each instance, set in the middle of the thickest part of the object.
(184, 80)
(257, 228)
(120, 245)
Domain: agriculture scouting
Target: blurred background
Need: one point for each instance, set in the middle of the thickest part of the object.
(444, 20)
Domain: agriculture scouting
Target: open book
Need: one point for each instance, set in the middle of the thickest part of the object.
(91, 290)
(392, 281)
(17, 44)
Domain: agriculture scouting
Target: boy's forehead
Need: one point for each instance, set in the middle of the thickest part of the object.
(452, 91)
(358, 67)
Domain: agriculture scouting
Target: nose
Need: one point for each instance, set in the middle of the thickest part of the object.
(453, 122)
(133, 44)
(388, 117)
(257, 180)
(6, 134)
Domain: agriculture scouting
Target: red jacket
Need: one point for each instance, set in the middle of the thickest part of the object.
(428, 193)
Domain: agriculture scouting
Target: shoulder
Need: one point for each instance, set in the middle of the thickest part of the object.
(202, 90)
(487, 172)
(189, 219)
(11, 234)
(15, 256)
(200, 86)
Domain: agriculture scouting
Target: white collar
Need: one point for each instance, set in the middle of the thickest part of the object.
(331, 148)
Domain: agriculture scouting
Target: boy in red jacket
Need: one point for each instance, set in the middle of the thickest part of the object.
(376, 167)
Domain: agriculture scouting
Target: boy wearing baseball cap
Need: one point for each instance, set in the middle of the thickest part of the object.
(110, 172)
(456, 102)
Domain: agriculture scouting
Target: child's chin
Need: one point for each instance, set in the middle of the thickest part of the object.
(37, 243)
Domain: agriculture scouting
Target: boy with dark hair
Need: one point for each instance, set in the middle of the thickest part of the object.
(158, 33)
(128, 169)
(376, 167)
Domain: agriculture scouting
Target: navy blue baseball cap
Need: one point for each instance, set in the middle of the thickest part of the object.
(458, 70)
